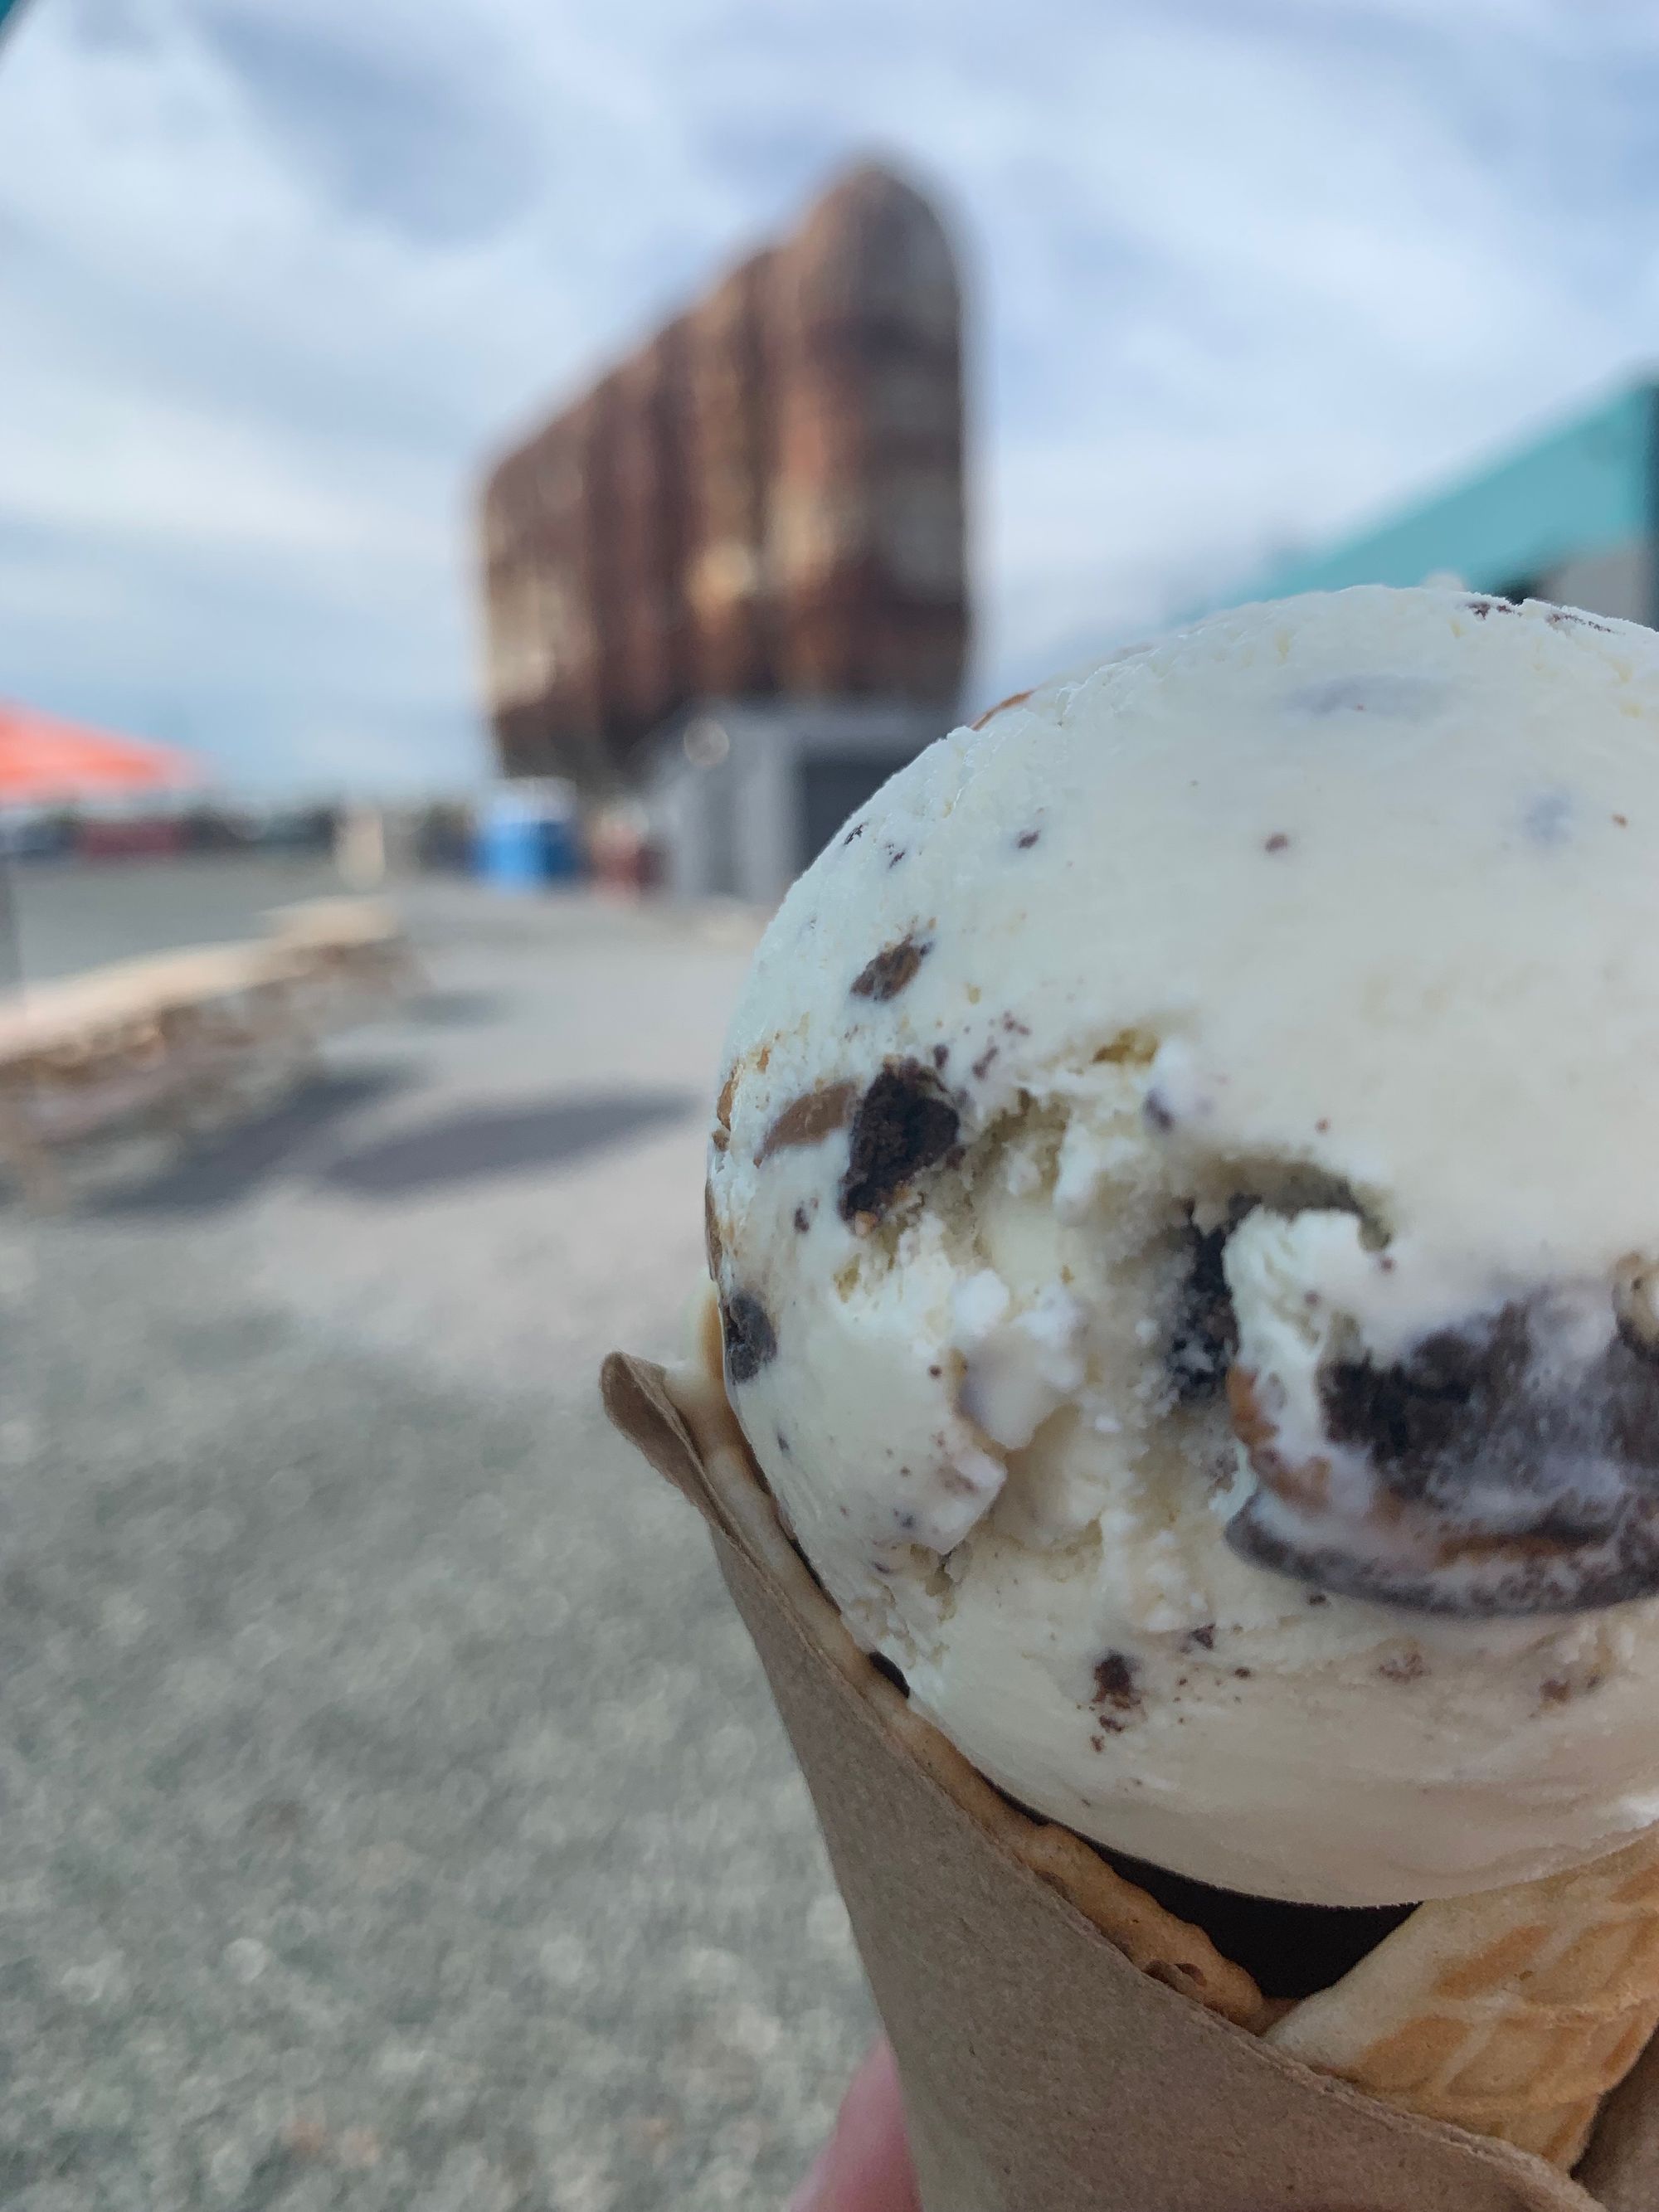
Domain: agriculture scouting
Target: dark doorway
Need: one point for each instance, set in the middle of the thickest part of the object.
(833, 787)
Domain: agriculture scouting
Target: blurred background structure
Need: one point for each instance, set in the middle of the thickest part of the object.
(762, 507)
(1572, 516)
(764, 500)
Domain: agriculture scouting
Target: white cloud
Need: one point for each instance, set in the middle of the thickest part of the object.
(274, 278)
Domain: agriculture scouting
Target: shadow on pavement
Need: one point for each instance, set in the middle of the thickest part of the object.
(221, 1170)
(453, 1010)
(504, 1140)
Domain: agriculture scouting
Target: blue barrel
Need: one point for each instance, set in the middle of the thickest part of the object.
(528, 836)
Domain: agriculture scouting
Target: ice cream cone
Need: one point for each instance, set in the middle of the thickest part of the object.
(1065, 2040)
(1511, 2013)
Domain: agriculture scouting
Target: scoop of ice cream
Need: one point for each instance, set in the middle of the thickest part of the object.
(1182, 1207)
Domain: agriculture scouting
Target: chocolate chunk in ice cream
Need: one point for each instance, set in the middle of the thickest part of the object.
(1117, 1684)
(1205, 1331)
(750, 1339)
(904, 1123)
(1499, 1468)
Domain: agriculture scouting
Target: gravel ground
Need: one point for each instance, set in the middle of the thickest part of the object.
(394, 1813)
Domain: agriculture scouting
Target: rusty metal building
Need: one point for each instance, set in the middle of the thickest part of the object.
(764, 500)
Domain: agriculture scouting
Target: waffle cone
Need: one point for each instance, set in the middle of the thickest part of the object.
(1512, 2012)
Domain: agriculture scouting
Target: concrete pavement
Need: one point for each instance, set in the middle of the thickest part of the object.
(392, 1811)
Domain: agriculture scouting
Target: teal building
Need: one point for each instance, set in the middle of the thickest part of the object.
(1572, 517)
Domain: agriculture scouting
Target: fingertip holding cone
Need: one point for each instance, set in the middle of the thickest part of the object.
(1065, 2041)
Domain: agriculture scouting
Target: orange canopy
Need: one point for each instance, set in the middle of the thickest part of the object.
(46, 762)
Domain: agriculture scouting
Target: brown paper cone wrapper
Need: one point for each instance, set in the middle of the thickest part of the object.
(1044, 2069)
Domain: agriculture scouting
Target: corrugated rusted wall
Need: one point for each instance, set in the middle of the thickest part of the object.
(767, 497)
(866, 544)
(651, 525)
(545, 665)
(731, 465)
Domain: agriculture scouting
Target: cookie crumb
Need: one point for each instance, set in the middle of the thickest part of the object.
(713, 1251)
(808, 1120)
(887, 974)
(1014, 699)
(1561, 1689)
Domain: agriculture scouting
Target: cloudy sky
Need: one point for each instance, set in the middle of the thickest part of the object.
(274, 275)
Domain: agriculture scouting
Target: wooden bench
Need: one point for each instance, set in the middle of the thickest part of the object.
(182, 1040)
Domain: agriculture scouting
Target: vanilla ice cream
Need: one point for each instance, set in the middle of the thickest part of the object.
(1182, 1207)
